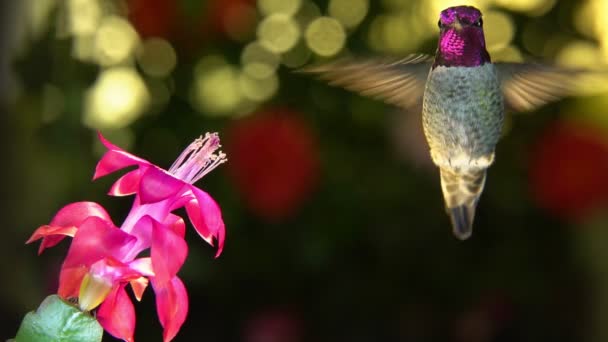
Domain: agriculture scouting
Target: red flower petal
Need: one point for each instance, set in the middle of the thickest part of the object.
(171, 306)
(139, 285)
(115, 159)
(182, 200)
(66, 222)
(176, 224)
(74, 214)
(70, 280)
(117, 315)
(51, 235)
(116, 271)
(95, 240)
(127, 184)
(143, 266)
(168, 253)
(206, 217)
(143, 232)
(157, 185)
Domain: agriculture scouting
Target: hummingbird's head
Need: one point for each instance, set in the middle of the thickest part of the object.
(461, 40)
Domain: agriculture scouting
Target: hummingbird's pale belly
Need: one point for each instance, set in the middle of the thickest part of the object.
(462, 115)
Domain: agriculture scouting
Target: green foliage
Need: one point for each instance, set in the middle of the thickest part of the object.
(58, 320)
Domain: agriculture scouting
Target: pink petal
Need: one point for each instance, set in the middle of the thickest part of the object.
(157, 185)
(117, 315)
(206, 217)
(70, 279)
(176, 224)
(66, 222)
(116, 271)
(143, 232)
(107, 143)
(127, 184)
(115, 159)
(74, 213)
(171, 306)
(139, 286)
(182, 200)
(51, 235)
(95, 240)
(168, 253)
(143, 266)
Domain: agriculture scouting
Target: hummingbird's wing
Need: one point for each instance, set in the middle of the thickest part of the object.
(398, 82)
(528, 86)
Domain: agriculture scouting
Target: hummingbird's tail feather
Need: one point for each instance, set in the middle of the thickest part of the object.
(462, 220)
(461, 191)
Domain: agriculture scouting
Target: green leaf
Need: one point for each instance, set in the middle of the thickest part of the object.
(58, 320)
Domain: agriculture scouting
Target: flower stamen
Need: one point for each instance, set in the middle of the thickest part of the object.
(198, 159)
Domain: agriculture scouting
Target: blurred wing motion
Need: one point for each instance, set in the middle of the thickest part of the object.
(398, 82)
(528, 86)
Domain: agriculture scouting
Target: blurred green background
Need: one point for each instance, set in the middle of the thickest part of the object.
(335, 222)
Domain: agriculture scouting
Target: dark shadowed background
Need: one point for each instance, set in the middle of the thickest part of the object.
(336, 229)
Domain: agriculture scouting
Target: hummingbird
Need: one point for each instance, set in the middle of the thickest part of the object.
(462, 95)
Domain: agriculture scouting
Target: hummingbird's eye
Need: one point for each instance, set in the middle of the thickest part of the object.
(440, 24)
(478, 23)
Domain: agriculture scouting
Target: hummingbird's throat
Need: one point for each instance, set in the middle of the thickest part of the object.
(464, 46)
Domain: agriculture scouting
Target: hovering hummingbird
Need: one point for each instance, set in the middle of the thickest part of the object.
(462, 95)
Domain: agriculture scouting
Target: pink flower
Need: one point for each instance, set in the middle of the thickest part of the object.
(103, 258)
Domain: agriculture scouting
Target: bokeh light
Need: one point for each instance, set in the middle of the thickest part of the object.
(568, 168)
(116, 99)
(592, 18)
(259, 62)
(585, 18)
(274, 161)
(308, 12)
(239, 20)
(84, 16)
(115, 40)
(297, 56)
(39, 14)
(529, 7)
(278, 33)
(582, 54)
(349, 12)
(216, 86)
(258, 89)
(287, 7)
(508, 54)
(500, 30)
(387, 31)
(325, 36)
(579, 54)
(156, 57)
